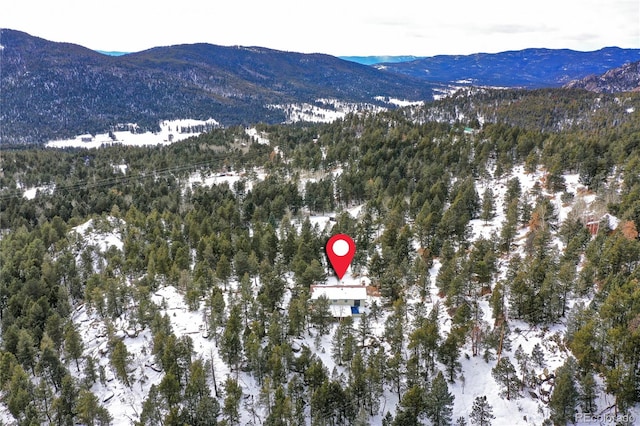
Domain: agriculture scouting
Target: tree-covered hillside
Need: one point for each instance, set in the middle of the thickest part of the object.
(59, 90)
(172, 285)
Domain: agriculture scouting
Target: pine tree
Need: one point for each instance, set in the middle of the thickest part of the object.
(496, 301)
(199, 407)
(482, 412)
(343, 344)
(413, 406)
(231, 344)
(588, 393)
(223, 270)
(280, 412)
(49, 364)
(170, 389)
(374, 377)
(509, 227)
(153, 408)
(26, 350)
(461, 421)
(216, 305)
(120, 359)
(364, 328)
(564, 397)
(537, 355)
(393, 373)
(488, 211)
(297, 316)
(233, 395)
(90, 412)
(505, 374)
(439, 402)
(19, 393)
(253, 354)
(449, 352)
(320, 315)
(523, 359)
(73, 344)
(64, 407)
(43, 399)
(423, 342)
(330, 404)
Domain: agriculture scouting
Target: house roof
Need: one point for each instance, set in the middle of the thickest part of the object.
(337, 292)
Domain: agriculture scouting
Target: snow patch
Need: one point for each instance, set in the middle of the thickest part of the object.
(103, 234)
(170, 131)
(398, 102)
(31, 193)
(122, 168)
(323, 111)
(260, 137)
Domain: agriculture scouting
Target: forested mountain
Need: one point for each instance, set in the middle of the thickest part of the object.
(546, 110)
(59, 90)
(623, 79)
(52, 90)
(173, 285)
(530, 68)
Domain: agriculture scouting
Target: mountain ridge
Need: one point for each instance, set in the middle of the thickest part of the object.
(54, 90)
(61, 89)
(623, 79)
(528, 68)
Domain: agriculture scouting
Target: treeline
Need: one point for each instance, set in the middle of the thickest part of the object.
(247, 252)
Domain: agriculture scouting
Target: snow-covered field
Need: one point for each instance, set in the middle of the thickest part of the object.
(31, 193)
(170, 131)
(325, 110)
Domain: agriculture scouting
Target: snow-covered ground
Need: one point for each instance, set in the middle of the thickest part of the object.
(102, 234)
(31, 193)
(170, 131)
(324, 111)
(124, 403)
(399, 102)
(259, 137)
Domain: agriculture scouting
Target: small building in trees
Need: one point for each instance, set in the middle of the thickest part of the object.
(345, 300)
(593, 223)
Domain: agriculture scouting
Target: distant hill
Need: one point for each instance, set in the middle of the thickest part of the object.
(529, 68)
(58, 90)
(623, 79)
(53, 90)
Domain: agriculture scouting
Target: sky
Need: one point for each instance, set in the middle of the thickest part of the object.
(335, 27)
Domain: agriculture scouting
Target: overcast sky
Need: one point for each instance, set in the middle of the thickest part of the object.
(336, 27)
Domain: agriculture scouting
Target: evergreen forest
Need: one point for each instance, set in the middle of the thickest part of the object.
(535, 282)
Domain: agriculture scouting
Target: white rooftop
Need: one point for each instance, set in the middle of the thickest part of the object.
(339, 292)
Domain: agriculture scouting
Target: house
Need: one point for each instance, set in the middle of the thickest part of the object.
(345, 300)
(593, 224)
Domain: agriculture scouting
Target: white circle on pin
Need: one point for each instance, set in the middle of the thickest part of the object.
(340, 248)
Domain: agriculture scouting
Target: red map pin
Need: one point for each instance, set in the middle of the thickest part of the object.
(340, 250)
